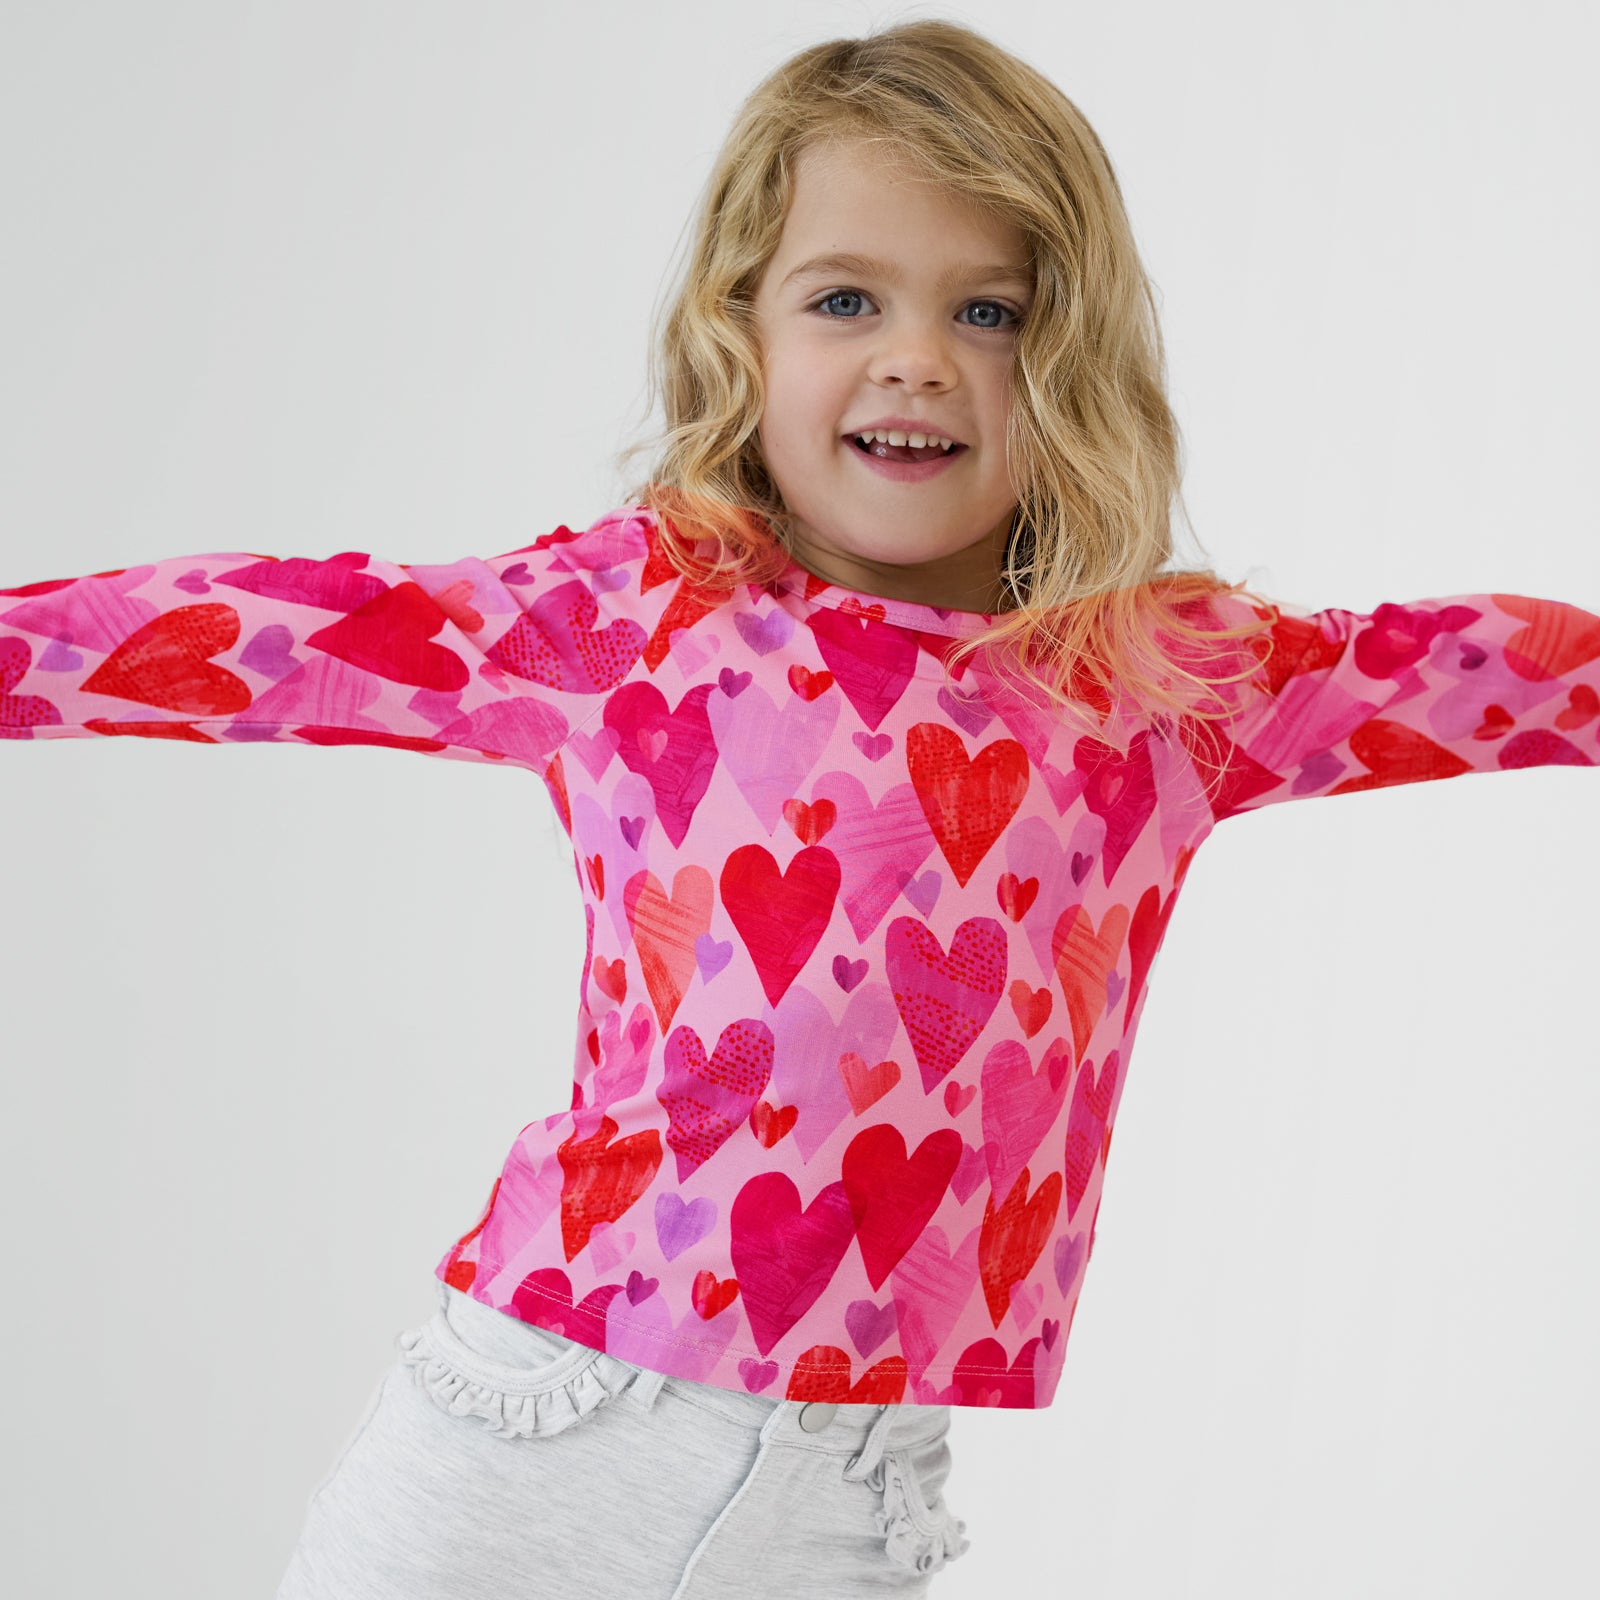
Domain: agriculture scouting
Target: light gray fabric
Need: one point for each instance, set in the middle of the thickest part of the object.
(499, 1460)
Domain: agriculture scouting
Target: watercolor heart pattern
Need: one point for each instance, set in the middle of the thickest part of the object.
(866, 930)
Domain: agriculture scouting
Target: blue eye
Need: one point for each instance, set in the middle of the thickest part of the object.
(820, 307)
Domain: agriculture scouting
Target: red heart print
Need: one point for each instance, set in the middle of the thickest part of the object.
(780, 915)
(1012, 1238)
(1394, 753)
(166, 663)
(1556, 639)
(600, 1180)
(597, 876)
(852, 607)
(665, 931)
(391, 636)
(1016, 895)
(982, 1377)
(958, 1096)
(892, 1195)
(1497, 722)
(865, 1084)
(808, 684)
(1583, 705)
(822, 1374)
(810, 822)
(709, 1296)
(1084, 958)
(612, 977)
(1030, 1006)
(770, 1123)
(967, 803)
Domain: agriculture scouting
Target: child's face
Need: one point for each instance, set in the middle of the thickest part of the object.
(845, 346)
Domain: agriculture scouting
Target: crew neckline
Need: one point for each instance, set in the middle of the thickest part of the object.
(805, 585)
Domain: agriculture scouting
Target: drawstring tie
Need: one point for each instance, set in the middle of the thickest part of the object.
(908, 1540)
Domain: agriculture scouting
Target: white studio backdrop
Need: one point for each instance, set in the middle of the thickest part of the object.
(297, 279)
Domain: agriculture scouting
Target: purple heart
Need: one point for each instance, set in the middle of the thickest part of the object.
(1068, 1258)
(847, 973)
(732, 683)
(59, 656)
(678, 1225)
(640, 1288)
(1319, 772)
(268, 653)
(1049, 1329)
(1080, 866)
(245, 732)
(1115, 984)
(632, 828)
(1473, 656)
(874, 746)
(757, 1374)
(924, 891)
(973, 715)
(607, 579)
(764, 634)
(869, 1325)
(711, 955)
(517, 574)
(193, 582)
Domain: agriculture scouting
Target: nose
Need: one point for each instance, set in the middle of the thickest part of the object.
(913, 353)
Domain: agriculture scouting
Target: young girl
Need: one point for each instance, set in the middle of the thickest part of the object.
(885, 734)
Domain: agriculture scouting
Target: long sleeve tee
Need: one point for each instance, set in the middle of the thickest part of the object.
(865, 951)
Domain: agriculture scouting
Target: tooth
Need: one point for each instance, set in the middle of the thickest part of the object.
(896, 437)
(917, 441)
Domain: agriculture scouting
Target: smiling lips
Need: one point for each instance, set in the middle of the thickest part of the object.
(901, 461)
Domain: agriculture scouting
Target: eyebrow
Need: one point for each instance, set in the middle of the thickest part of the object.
(852, 263)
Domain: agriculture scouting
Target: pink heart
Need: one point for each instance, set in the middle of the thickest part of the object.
(1092, 1095)
(879, 846)
(706, 1101)
(969, 1174)
(1121, 791)
(1025, 1302)
(768, 749)
(1020, 1105)
(932, 1284)
(647, 1336)
(871, 661)
(874, 746)
(555, 643)
(945, 1000)
(608, 1247)
(673, 750)
(810, 1041)
(757, 1375)
(785, 1257)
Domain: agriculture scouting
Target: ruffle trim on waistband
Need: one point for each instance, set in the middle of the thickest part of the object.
(505, 1414)
(909, 1538)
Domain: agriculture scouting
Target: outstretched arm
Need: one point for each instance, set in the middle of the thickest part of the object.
(488, 660)
(1408, 693)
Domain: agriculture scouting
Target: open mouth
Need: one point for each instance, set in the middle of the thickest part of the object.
(877, 446)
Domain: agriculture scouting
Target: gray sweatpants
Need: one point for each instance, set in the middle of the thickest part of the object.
(499, 1460)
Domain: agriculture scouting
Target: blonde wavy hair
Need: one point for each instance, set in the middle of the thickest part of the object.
(1093, 447)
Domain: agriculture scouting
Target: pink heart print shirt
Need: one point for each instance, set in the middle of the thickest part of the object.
(865, 951)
